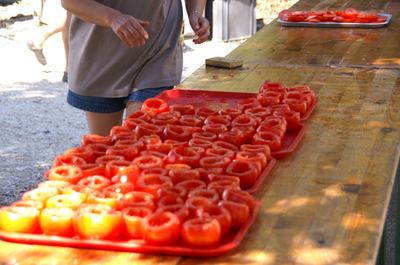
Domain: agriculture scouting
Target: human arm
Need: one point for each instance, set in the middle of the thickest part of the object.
(129, 29)
(199, 24)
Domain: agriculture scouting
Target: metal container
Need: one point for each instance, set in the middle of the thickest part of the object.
(233, 19)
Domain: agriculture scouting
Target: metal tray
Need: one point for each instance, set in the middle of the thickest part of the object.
(338, 25)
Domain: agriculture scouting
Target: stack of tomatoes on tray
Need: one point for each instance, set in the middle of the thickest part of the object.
(172, 179)
(349, 15)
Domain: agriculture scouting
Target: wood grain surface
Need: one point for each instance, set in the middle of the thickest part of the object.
(327, 202)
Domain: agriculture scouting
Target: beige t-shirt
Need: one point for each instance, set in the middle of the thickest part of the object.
(101, 65)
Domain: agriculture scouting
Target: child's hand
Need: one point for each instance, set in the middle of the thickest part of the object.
(200, 26)
(130, 30)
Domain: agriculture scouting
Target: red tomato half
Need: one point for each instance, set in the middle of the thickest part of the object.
(84, 152)
(217, 119)
(71, 174)
(103, 160)
(40, 194)
(97, 222)
(221, 185)
(154, 106)
(152, 183)
(196, 204)
(129, 152)
(269, 98)
(225, 145)
(183, 174)
(141, 115)
(211, 195)
(126, 174)
(94, 182)
(209, 136)
(244, 120)
(132, 123)
(182, 212)
(168, 200)
(148, 161)
(268, 138)
(19, 219)
(220, 152)
(93, 169)
(215, 128)
(201, 232)
(199, 142)
(154, 171)
(133, 217)
(232, 112)
(274, 124)
(96, 139)
(179, 191)
(71, 160)
(205, 112)
(191, 120)
(210, 162)
(239, 212)
(221, 214)
(184, 155)
(116, 166)
(161, 228)
(292, 118)
(57, 221)
(138, 199)
(105, 197)
(165, 118)
(162, 147)
(121, 187)
(64, 201)
(296, 105)
(272, 86)
(256, 148)
(191, 184)
(235, 137)
(259, 159)
(98, 149)
(148, 129)
(239, 196)
(177, 132)
(246, 171)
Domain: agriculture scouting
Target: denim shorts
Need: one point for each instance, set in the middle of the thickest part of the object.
(109, 105)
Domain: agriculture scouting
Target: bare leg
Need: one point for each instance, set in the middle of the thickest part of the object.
(43, 33)
(132, 106)
(65, 37)
(101, 123)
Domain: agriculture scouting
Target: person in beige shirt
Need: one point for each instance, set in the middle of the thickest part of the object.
(123, 52)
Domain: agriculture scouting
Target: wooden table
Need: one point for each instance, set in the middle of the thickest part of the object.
(327, 202)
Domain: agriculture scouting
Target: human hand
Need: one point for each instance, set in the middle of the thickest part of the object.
(130, 30)
(200, 26)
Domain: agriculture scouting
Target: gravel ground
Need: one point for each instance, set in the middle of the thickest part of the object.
(36, 123)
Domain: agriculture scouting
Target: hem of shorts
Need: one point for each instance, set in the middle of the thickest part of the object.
(97, 109)
(163, 83)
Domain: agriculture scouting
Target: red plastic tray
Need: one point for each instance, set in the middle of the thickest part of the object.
(211, 99)
(230, 242)
(228, 99)
(290, 142)
(263, 176)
